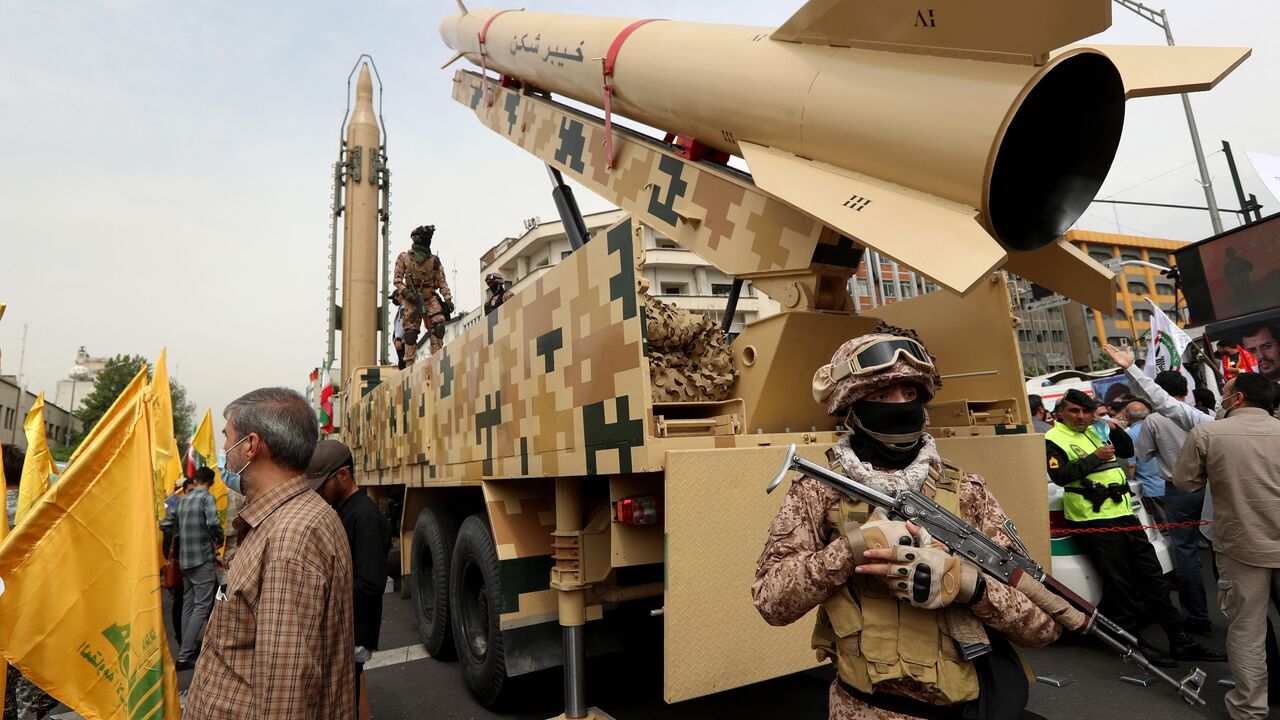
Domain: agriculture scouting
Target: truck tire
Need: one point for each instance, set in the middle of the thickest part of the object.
(475, 594)
(433, 538)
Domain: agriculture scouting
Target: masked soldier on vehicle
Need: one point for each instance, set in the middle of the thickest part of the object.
(498, 292)
(418, 277)
(899, 616)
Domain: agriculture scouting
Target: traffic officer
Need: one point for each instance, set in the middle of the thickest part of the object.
(912, 630)
(1081, 453)
(419, 275)
(498, 292)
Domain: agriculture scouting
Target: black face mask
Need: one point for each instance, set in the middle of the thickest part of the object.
(887, 434)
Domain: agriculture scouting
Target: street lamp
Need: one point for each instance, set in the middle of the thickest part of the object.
(1116, 264)
(1161, 20)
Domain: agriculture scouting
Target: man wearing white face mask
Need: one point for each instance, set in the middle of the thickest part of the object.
(280, 640)
(1239, 457)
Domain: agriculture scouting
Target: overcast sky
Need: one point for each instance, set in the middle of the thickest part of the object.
(167, 167)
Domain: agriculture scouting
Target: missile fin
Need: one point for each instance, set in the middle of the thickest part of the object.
(998, 30)
(1068, 271)
(938, 238)
(1150, 70)
(452, 60)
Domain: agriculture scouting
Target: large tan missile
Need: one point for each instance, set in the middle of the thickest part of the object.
(943, 137)
(360, 233)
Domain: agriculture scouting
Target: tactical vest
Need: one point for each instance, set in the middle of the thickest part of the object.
(1104, 493)
(873, 637)
(421, 276)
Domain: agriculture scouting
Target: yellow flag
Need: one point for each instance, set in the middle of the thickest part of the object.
(38, 469)
(127, 397)
(95, 638)
(205, 448)
(166, 467)
(4, 532)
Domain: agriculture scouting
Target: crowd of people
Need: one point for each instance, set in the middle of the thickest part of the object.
(1210, 477)
(280, 624)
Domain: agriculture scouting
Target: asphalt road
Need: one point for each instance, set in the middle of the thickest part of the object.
(630, 687)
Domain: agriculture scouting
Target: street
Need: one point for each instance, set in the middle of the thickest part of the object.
(632, 689)
(403, 683)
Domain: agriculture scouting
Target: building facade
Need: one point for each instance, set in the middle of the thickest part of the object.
(15, 403)
(882, 281)
(675, 275)
(1130, 319)
(72, 390)
(1053, 332)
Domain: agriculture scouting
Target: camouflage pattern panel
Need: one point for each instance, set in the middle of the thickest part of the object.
(522, 514)
(552, 383)
(712, 210)
(364, 426)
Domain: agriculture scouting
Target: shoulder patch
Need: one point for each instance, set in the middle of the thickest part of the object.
(1053, 463)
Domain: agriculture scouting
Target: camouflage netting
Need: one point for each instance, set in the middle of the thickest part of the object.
(689, 359)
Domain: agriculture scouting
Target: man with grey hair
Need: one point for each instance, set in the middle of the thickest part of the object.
(280, 641)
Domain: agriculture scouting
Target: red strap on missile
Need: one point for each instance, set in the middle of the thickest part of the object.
(609, 60)
(489, 95)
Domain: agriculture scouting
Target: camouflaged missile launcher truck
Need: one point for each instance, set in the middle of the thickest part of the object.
(547, 496)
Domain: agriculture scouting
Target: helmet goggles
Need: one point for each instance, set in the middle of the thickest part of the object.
(883, 354)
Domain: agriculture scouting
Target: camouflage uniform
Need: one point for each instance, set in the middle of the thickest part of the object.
(798, 570)
(807, 560)
(495, 300)
(418, 280)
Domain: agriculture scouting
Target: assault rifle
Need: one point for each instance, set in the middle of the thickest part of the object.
(1010, 567)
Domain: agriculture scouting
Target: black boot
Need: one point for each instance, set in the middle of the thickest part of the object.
(1155, 655)
(1183, 647)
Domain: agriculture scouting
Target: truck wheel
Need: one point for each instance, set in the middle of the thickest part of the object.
(433, 538)
(475, 595)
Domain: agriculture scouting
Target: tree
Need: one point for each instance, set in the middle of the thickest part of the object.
(108, 386)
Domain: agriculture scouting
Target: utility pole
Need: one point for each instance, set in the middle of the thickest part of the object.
(22, 389)
(1252, 210)
(1161, 20)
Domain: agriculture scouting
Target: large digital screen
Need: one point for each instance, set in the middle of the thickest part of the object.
(1232, 274)
(1258, 334)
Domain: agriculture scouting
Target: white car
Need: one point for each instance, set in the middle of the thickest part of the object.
(1053, 386)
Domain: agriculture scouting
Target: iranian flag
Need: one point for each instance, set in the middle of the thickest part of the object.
(326, 400)
(1166, 347)
(1248, 363)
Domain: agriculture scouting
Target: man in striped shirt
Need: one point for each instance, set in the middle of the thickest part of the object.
(199, 534)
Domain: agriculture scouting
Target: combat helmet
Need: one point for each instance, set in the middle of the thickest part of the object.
(870, 362)
(422, 234)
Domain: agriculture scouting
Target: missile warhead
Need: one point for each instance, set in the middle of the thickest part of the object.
(944, 139)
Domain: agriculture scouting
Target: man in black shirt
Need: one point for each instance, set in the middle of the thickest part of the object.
(369, 533)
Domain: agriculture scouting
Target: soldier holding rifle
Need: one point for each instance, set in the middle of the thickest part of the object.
(419, 277)
(914, 632)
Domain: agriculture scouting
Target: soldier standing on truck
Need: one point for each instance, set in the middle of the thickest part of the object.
(419, 276)
(498, 292)
(912, 631)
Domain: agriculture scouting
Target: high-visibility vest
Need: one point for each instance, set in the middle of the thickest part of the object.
(1075, 505)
